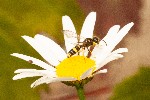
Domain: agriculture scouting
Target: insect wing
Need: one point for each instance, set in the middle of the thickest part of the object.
(70, 39)
(70, 34)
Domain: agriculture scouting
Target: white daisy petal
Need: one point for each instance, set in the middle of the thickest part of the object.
(88, 26)
(47, 79)
(68, 24)
(101, 71)
(70, 40)
(52, 49)
(33, 73)
(42, 50)
(86, 73)
(111, 43)
(25, 75)
(111, 33)
(43, 72)
(34, 61)
(41, 80)
(124, 31)
(120, 50)
(103, 56)
(24, 70)
(107, 60)
(97, 49)
(70, 35)
(99, 53)
(120, 35)
(62, 79)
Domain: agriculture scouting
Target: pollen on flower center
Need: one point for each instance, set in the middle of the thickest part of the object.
(74, 66)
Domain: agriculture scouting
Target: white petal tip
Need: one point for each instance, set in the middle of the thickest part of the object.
(32, 86)
(121, 56)
(103, 71)
(15, 78)
(38, 35)
(24, 36)
(68, 24)
(65, 17)
(130, 24)
(115, 27)
(125, 50)
(93, 13)
(13, 54)
(16, 71)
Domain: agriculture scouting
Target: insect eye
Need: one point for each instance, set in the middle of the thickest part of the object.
(95, 39)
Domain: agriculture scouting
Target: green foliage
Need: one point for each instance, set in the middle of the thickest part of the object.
(28, 17)
(136, 87)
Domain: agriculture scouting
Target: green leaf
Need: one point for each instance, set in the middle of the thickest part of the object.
(136, 87)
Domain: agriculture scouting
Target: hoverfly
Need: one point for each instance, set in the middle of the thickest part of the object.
(85, 44)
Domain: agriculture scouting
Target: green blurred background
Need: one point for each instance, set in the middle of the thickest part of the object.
(136, 87)
(29, 17)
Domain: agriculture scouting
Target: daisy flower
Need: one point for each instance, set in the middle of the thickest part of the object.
(79, 67)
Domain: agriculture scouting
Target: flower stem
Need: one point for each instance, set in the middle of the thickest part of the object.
(80, 92)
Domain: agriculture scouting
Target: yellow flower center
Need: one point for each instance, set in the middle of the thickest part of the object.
(74, 66)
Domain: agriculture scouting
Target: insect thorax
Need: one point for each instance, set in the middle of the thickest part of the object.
(87, 42)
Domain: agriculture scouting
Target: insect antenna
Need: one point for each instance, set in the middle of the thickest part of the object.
(105, 42)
